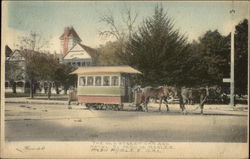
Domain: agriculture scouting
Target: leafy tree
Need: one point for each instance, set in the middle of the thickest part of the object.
(241, 57)
(109, 54)
(30, 46)
(39, 66)
(33, 62)
(63, 77)
(48, 67)
(158, 50)
(209, 59)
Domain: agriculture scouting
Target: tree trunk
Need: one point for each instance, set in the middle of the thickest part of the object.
(49, 90)
(14, 87)
(35, 87)
(57, 88)
(65, 89)
(45, 86)
(31, 88)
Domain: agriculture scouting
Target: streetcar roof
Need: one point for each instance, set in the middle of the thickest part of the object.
(105, 69)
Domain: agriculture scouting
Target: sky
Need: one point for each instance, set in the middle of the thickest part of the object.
(49, 18)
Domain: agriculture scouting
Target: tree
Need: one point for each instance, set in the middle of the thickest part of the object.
(109, 54)
(121, 32)
(241, 57)
(209, 59)
(63, 77)
(48, 66)
(30, 47)
(157, 50)
(32, 41)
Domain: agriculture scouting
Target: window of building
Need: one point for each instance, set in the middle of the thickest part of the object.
(19, 84)
(122, 81)
(6, 84)
(114, 81)
(78, 63)
(83, 63)
(90, 81)
(98, 80)
(106, 80)
(82, 81)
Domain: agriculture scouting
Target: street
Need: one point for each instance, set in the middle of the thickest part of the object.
(54, 122)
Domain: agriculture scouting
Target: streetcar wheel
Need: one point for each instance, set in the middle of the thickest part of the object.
(120, 107)
(116, 107)
(87, 105)
(106, 106)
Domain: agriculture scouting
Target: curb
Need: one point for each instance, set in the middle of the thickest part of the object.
(33, 102)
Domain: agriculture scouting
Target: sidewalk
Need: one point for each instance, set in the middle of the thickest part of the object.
(60, 100)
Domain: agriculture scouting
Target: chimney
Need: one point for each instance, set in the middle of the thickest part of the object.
(66, 31)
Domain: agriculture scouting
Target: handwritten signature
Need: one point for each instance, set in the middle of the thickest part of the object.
(34, 147)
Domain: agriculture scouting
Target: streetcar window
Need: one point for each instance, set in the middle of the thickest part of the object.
(98, 80)
(106, 81)
(90, 81)
(82, 81)
(114, 81)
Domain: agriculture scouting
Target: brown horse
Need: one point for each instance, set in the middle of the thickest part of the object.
(161, 93)
(200, 93)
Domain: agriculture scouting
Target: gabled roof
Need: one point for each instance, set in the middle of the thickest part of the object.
(105, 69)
(69, 32)
(8, 51)
(92, 52)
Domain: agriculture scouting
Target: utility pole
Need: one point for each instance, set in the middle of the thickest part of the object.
(232, 61)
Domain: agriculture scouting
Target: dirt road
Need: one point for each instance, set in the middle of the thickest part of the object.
(44, 122)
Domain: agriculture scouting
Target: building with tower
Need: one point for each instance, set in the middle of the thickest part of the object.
(74, 53)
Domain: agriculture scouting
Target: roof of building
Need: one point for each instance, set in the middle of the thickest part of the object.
(92, 52)
(69, 32)
(8, 51)
(105, 69)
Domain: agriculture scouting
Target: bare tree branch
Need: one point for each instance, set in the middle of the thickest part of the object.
(114, 30)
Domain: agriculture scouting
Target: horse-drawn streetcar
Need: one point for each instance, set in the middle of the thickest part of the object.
(104, 87)
(109, 87)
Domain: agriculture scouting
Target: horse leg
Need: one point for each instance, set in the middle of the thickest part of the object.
(182, 104)
(69, 106)
(184, 110)
(146, 104)
(202, 106)
(202, 102)
(160, 105)
(165, 99)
